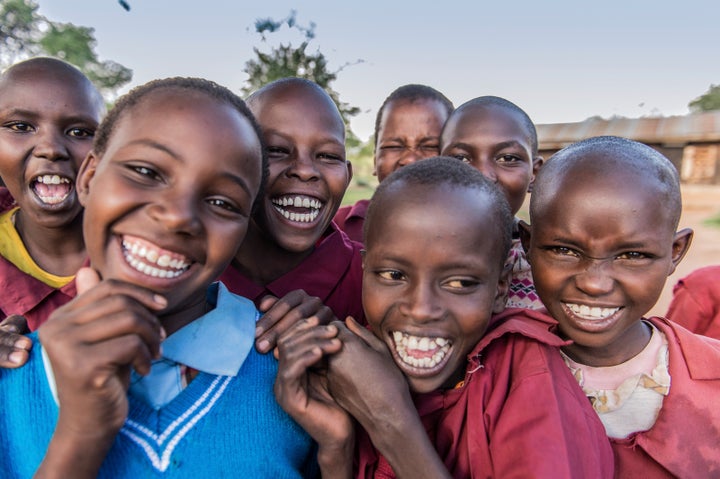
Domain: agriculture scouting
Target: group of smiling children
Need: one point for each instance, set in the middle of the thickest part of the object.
(456, 341)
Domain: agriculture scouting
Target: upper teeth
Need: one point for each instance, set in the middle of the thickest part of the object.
(298, 202)
(312, 204)
(405, 342)
(587, 312)
(52, 179)
(143, 258)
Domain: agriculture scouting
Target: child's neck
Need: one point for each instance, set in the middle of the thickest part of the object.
(631, 343)
(189, 312)
(262, 260)
(59, 251)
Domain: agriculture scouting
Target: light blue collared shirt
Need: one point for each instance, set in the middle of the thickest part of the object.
(216, 343)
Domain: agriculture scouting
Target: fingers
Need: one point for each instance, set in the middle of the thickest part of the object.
(85, 279)
(14, 347)
(281, 314)
(366, 335)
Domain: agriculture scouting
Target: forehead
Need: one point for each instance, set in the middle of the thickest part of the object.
(51, 87)
(287, 107)
(603, 198)
(477, 120)
(405, 109)
(189, 120)
(444, 216)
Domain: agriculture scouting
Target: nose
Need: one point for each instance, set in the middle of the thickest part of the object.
(410, 155)
(51, 145)
(421, 303)
(176, 213)
(596, 278)
(486, 166)
(302, 166)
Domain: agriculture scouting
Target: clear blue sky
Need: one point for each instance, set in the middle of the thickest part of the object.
(561, 61)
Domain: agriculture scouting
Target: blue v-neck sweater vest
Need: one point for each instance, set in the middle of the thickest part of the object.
(219, 426)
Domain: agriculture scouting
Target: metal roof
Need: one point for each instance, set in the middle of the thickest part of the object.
(694, 128)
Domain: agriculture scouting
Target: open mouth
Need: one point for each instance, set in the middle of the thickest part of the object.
(52, 189)
(151, 260)
(298, 208)
(420, 352)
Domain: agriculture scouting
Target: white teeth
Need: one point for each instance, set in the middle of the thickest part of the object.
(145, 260)
(593, 313)
(407, 347)
(51, 179)
(306, 202)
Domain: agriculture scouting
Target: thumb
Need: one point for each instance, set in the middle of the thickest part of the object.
(86, 279)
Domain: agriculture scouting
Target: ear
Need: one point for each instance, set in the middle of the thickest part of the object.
(363, 254)
(537, 163)
(525, 234)
(85, 176)
(503, 288)
(374, 171)
(680, 246)
(350, 172)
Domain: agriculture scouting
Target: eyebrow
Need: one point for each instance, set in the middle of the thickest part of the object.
(224, 174)
(36, 114)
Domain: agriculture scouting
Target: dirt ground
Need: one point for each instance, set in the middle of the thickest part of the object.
(700, 202)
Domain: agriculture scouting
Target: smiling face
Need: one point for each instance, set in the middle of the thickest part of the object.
(48, 116)
(169, 201)
(494, 140)
(308, 173)
(430, 298)
(409, 131)
(601, 264)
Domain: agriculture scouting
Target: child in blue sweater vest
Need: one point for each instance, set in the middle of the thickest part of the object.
(150, 371)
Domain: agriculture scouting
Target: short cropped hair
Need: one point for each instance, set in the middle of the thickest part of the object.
(630, 155)
(490, 100)
(412, 92)
(447, 171)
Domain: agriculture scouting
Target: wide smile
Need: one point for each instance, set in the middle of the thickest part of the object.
(52, 189)
(421, 355)
(151, 260)
(591, 318)
(298, 208)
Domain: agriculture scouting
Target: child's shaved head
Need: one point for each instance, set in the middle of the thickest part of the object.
(607, 156)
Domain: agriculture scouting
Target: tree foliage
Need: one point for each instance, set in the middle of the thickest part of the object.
(286, 60)
(710, 100)
(25, 33)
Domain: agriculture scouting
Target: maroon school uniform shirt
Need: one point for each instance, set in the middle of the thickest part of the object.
(683, 442)
(332, 272)
(22, 294)
(518, 413)
(696, 302)
(351, 218)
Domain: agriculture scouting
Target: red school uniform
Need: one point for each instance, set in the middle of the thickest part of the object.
(351, 219)
(23, 294)
(696, 302)
(332, 272)
(518, 413)
(683, 442)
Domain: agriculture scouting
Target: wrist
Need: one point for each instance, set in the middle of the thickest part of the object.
(336, 461)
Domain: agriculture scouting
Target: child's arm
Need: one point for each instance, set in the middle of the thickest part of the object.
(365, 381)
(280, 314)
(92, 343)
(14, 347)
(301, 390)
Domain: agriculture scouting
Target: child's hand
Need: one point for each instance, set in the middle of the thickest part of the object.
(281, 314)
(14, 347)
(92, 343)
(363, 378)
(301, 390)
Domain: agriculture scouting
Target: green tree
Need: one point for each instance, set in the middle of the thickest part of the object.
(287, 60)
(25, 33)
(710, 100)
